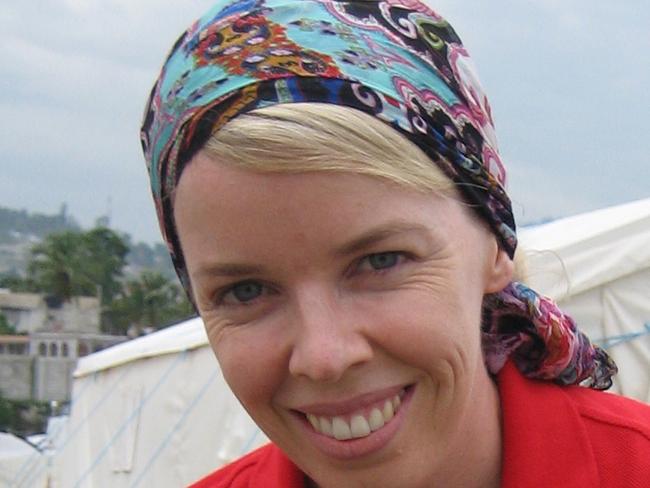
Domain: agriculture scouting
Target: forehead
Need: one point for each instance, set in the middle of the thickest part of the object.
(231, 211)
(227, 187)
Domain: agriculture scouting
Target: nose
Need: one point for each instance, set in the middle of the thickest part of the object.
(328, 338)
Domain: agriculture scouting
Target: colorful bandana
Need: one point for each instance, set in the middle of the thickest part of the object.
(396, 60)
(530, 329)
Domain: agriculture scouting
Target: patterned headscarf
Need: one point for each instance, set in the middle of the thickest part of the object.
(396, 60)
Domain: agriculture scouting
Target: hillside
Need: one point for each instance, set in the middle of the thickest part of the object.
(20, 230)
(17, 226)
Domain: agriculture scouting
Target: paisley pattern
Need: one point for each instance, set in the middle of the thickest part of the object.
(397, 60)
(258, 47)
(544, 342)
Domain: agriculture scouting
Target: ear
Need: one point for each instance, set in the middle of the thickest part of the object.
(499, 270)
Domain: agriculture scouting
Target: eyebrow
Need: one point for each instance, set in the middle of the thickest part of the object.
(379, 234)
(229, 270)
(365, 240)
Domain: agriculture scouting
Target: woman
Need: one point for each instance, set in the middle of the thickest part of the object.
(327, 179)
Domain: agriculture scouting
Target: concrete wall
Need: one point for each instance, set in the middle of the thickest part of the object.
(44, 379)
(46, 373)
(81, 314)
(29, 312)
(53, 378)
(54, 345)
(16, 377)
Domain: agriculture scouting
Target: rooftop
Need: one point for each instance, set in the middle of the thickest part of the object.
(25, 301)
(14, 339)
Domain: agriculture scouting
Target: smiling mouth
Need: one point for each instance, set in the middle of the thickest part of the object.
(360, 423)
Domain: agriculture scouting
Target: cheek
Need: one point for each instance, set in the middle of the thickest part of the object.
(253, 370)
(437, 333)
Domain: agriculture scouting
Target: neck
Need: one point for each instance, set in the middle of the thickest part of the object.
(480, 443)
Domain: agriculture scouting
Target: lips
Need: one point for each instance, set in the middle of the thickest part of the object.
(360, 422)
(356, 427)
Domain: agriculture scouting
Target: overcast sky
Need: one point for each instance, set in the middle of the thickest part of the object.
(569, 84)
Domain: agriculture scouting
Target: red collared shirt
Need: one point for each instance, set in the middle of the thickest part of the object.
(565, 437)
(266, 467)
(571, 437)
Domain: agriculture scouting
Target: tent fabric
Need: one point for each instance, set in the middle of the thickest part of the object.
(182, 337)
(34, 471)
(15, 454)
(569, 256)
(597, 266)
(150, 419)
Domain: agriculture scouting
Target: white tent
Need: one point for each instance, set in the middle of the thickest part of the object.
(15, 455)
(597, 266)
(154, 411)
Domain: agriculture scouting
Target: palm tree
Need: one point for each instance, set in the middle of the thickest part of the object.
(105, 258)
(69, 264)
(57, 266)
(151, 300)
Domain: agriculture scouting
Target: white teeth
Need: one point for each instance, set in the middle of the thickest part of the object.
(341, 429)
(396, 403)
(388, 410)
(326, 427)
(376, 419)
(359, 426)
(313, 420)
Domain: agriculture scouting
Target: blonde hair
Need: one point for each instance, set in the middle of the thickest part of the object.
(317, 137)
(320, 137)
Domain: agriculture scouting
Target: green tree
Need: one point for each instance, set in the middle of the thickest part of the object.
(18, 284)
(68, 264)
(7, 415)
(105, 253)
(151, 300)
(5, 327)
(71, 263)
(23, 417)
(58, 266)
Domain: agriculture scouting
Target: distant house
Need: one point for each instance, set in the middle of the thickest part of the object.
(34, 312)
(25, 312)
(39, 364)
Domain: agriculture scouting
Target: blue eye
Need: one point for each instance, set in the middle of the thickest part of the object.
(246, 291)
(383, 260)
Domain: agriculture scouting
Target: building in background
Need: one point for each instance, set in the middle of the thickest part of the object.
(38, 365)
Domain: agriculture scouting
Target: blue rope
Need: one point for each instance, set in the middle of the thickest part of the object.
(165, 442)
(609, 342)
(130, 418)
(73, 433)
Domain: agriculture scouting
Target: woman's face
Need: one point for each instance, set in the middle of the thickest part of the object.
(344, 312)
